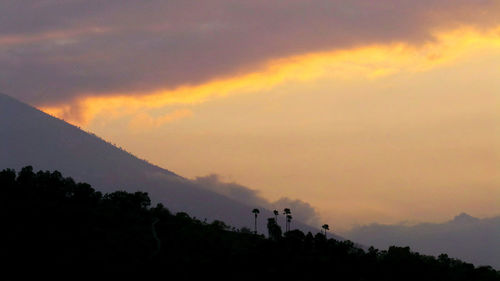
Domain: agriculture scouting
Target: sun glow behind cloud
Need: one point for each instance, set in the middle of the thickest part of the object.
(360, 63)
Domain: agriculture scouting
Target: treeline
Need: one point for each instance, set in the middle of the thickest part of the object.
(57, 228)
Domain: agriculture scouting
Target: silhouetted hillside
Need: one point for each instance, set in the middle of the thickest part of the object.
(55, 228)
(30, 137)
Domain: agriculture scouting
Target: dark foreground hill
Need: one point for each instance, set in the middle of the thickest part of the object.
(30, 137)
(55, 228)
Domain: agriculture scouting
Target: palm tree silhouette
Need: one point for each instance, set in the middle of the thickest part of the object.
(325, 227)
(276, 213)
(288, 221)
(287, 213)
(256, 212)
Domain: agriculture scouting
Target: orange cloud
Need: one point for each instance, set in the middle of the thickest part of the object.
(363, 63)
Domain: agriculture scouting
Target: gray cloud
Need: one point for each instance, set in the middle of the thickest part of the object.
(465, 237)
(301, 211)
(55, 50)
(234, 191)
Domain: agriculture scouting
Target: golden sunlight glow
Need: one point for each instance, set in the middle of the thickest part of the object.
(362, 63)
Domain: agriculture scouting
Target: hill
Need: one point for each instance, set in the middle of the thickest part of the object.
(55, 228)
(28, 136)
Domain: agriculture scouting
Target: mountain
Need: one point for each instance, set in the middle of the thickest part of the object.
(465, 237)
(28, 136)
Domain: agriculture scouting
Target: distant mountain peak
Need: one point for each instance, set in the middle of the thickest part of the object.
(465, 218)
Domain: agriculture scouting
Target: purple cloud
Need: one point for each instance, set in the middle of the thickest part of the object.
(56, 50)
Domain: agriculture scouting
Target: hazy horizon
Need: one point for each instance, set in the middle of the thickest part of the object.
(368, 112)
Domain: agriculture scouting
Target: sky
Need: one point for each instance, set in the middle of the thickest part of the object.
(369, 111)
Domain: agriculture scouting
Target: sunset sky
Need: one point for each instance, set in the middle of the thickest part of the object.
(371, 111)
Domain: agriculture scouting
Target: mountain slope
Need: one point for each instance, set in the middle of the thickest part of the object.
(30, 137)
(465, 237)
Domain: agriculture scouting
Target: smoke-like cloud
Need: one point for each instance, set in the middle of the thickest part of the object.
(55, 51)
(301, 211)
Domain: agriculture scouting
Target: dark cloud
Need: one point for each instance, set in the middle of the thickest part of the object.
(301, 211)
(55, 50)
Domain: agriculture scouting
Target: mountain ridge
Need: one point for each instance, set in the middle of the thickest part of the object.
(464, 237)
(29, 136)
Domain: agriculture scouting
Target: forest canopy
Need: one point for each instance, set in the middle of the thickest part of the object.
(57, 227)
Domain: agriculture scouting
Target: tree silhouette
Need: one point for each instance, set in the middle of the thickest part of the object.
(273, 229)
(287, 213)
(59, 228)
(256, 213)
(276, 213)
(325, 228)
(288, 221)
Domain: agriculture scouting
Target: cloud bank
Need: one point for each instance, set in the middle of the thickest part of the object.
(301, 211)
(465, 237)
(57, 51)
